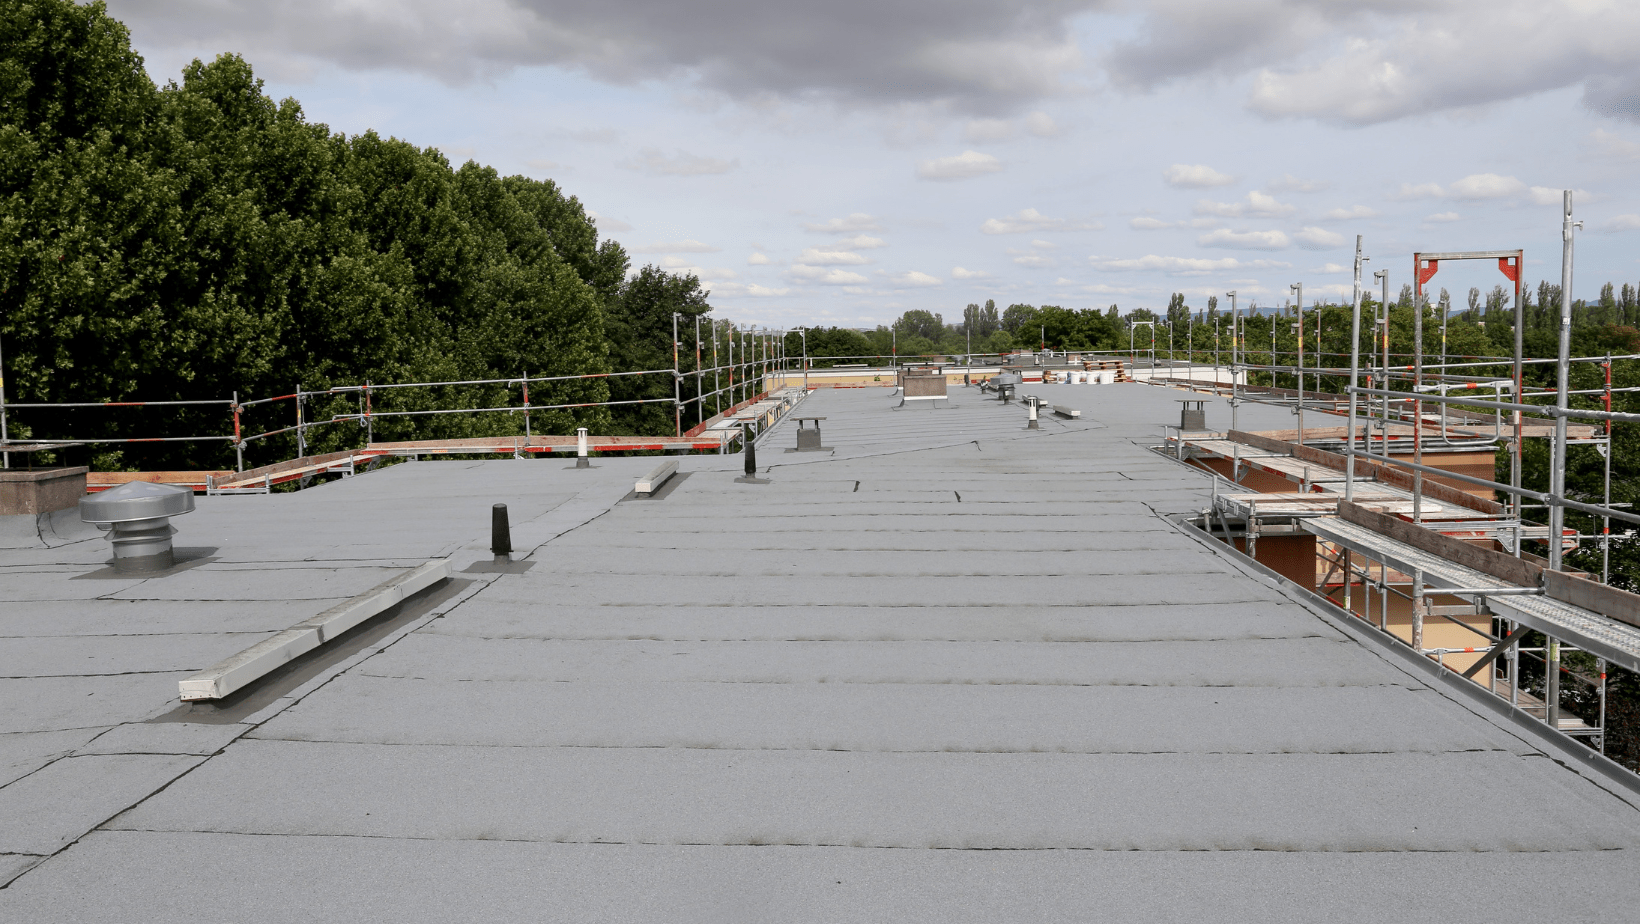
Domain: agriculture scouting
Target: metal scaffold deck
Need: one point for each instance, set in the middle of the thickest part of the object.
(1591, 631)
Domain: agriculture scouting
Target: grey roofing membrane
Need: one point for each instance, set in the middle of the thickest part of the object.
(955, 671)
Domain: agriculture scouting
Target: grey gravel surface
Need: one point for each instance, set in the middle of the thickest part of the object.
(955, 671)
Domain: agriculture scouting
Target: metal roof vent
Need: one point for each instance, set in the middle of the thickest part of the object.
(137, 515)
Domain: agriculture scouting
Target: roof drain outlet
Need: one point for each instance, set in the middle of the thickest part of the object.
(138, 517)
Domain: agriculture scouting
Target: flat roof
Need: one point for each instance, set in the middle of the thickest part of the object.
(956, 670)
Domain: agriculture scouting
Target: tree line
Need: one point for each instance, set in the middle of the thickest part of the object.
(198, 239)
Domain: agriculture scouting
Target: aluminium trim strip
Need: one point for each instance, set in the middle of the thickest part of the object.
(240, 670)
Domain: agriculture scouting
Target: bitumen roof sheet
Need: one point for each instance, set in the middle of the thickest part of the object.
(955, 670)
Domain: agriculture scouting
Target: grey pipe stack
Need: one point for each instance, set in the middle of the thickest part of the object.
(750, 453)
(500, 532)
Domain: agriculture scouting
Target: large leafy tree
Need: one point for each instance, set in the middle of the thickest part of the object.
(199, 239)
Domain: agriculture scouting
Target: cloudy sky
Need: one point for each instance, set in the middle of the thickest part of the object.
(839, 163)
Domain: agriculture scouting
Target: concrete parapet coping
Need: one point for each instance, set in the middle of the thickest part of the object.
(41, 490)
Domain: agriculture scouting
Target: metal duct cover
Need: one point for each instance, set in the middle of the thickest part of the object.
(136, 500)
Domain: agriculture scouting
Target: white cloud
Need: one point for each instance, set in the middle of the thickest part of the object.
(1609, 145)
(689, 246)
(962, 166)
(1146, 223)
(1485, 186)
(1329, 269)
(988, 130)
(1420, 191)
(1041, 125)
(1318, 239)
(749, 290)
(1182, 266)
(1289, 183)
(1384, 61)
(821, 276)
(815, 256)
(607, 223)
(1245, 240)
(1044, 245)
(1030, 221)
(1555, 195)
(1258, 204)
(860, 242)
(684, 267)
(652, 161)
(1035, 261)
(759, 259)
(1358, 211)
(960, 273)
(1196, 176)
(858, 221)
(914, 279)
(1441, 217)
(1630, 222)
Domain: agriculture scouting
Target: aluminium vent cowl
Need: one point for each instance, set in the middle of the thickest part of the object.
(137, 515)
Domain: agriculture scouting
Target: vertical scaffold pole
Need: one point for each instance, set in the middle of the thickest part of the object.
(1418, 610)
(1300, 304)
(700, 379)
(1557, 468)
(1417, 402)
(677, 380)
(1551, 683)
(238, 444)
(5, 435)
(1515, 451)
(1383, 303)
(1355, 381)
(1606, 521)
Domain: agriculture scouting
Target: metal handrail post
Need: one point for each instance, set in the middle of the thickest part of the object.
(301, 435)
(1355, 368)
(1385, 292)
(677, 382)
(1557, 467)
(1417, 402)
(1299, 302)
(1235, 364)
(5, 435)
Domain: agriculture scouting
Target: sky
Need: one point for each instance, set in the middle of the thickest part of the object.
(840, 163)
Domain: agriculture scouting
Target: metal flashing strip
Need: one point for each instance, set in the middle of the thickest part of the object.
(1558, 746)
(238, 671)
(1591, 631)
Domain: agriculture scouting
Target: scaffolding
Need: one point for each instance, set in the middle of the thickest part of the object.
(752, 354)
(1407, 553)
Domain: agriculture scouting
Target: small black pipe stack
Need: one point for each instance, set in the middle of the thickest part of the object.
(500, 532)
(751, 450)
